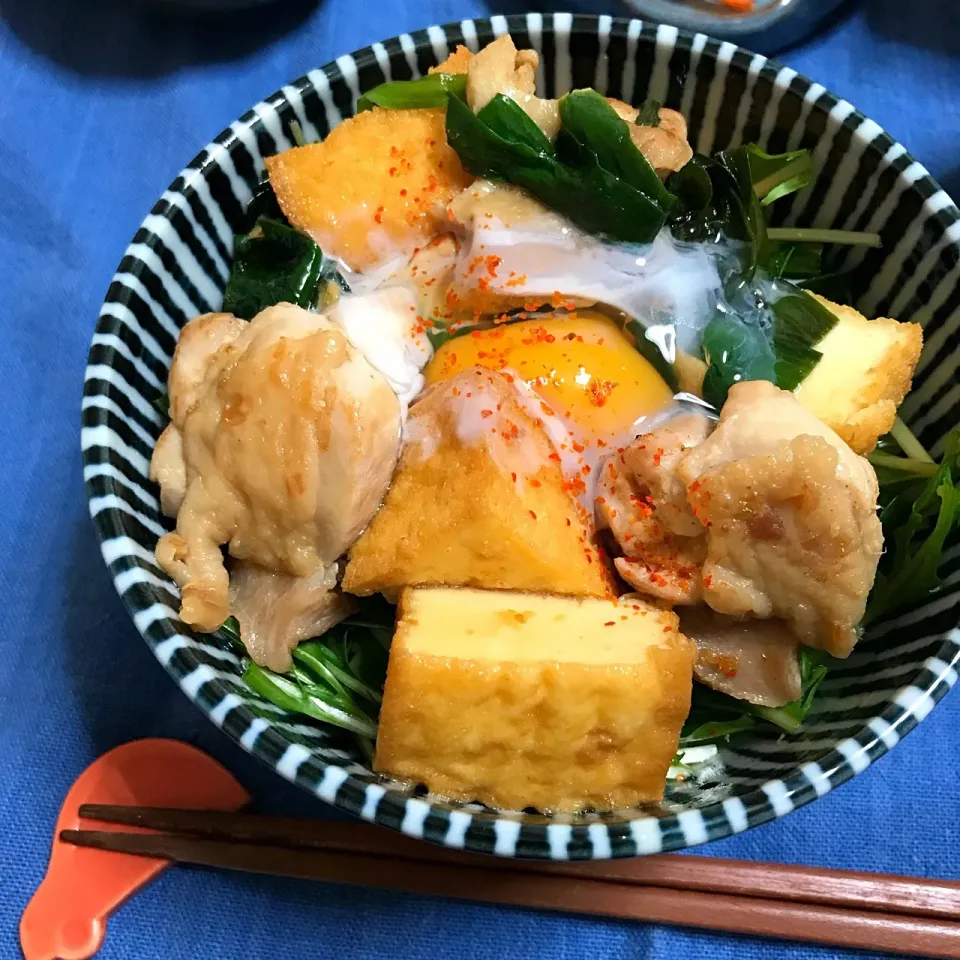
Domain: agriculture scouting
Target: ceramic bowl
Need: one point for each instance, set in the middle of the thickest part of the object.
(176, 266)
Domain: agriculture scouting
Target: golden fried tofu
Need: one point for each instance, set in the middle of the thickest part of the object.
(457, 62)
(865, 373)
(478, 500)
(519, 700)
(377, 186)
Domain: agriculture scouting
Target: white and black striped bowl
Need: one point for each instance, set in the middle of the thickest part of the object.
(176, 267)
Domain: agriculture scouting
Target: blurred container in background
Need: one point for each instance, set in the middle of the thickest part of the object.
(763, 25)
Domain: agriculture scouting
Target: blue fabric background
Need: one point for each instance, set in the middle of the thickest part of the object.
(101, 103)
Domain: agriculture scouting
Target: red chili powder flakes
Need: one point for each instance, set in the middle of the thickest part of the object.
(658, 456)
(394, 152)
(575, 486)
(707, 580)
(568, 522)
(493, 262)
(601, 500)
(636, 606)
(534, 483)
(579, 447)
(599, 391)
(609, 623)
(555, 456)
(532, 514)
(486, 413)
(668, 629)
(585, 469)
(378, 216)
(694, 487)
(513, 477)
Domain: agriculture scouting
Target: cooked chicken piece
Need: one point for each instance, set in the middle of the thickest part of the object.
(502, 68)
(665, 145)
(754, 660)
(276, 611)
(644, 504)
(289, 446)
(169, 471)
(198, 343)
(790, 511)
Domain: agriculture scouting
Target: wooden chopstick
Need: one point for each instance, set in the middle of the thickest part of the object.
(665, 889)
(774, 881)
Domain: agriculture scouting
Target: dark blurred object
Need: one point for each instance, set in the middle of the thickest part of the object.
(770, 26)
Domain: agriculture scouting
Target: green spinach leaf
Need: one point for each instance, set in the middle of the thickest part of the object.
(595, 126)
(649, 113)
(498, 143)
(735, 351)
(429, 91)
(280, 265)
(800, 323)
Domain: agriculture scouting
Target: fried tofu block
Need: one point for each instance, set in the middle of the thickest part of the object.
(457, 62)
(521, 701)
(376, 187)
(865, 373)
(478, 500)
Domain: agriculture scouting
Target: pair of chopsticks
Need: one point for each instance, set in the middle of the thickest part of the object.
(860, 910)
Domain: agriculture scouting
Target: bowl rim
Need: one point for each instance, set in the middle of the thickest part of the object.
(622, 833)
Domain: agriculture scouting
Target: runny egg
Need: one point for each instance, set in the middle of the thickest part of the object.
(581, 366)
(579, 378)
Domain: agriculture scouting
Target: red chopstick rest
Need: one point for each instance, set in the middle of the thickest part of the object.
(67, 917)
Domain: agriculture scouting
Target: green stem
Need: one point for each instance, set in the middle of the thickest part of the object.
(762, 187)
(296, 131)
(781, 718)
(909, 444)
(911, 465)
(813, 235)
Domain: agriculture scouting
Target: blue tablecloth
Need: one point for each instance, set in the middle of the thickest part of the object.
(101, 103)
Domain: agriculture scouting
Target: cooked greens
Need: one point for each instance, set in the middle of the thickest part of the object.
(714, 717)
(275, 264)
(649, 113)
(502, 143)
(428, 91)
(335, 679)
(920, 511)
(800, 323)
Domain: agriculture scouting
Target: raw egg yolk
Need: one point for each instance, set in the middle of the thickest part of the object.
(581, 365)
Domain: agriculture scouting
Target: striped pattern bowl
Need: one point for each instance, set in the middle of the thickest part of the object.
(176, 267)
